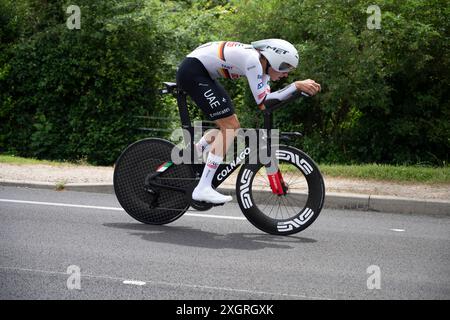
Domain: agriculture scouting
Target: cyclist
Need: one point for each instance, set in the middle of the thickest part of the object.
(260, 62)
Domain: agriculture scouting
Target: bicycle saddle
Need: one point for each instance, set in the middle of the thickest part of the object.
(169, 87)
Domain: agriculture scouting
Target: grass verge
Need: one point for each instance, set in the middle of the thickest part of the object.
(25, 161)
(413, 174)
(430, 175)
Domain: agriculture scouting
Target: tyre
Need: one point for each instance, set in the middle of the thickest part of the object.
(282, 214)
(132, 167)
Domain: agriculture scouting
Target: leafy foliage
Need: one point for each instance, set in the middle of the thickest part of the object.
(75, 94)
(384, 91)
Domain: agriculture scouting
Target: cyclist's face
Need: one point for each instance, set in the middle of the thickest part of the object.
(276, 75)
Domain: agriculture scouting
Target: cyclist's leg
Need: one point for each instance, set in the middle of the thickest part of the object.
(227, 131)
(219, 147)
(224, 137)
(204, 144)
(214, 101)
(221, 141)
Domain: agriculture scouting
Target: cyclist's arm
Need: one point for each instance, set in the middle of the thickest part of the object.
(257, 80)
(280, 95)
(259, 84)
(306, 88)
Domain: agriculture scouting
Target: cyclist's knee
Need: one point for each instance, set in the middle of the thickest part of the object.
(230, 122)
(236, 124)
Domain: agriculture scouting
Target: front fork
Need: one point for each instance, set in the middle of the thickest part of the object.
(273, 171)
(277, 183)
(275, 177)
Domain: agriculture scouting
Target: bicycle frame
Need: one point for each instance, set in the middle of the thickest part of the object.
(154, 180)
(224, 170)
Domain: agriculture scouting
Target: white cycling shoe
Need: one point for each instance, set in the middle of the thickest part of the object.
(210, 195)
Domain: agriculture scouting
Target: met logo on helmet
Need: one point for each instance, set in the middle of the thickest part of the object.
(277, 50)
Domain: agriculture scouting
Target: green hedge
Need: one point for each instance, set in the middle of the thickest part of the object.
(385, 95)
(74, 94)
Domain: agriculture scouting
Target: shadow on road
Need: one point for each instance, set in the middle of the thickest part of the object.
(187, 236)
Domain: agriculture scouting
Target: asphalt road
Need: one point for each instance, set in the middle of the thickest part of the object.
(45, 236)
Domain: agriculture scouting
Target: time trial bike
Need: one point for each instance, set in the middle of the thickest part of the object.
(281, 196)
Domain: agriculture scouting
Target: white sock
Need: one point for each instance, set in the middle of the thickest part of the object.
(211, 165)
(202, 146)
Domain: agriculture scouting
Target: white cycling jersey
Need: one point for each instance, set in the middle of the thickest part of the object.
(232, 60)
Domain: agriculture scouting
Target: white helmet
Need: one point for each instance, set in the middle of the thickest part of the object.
(282, 56)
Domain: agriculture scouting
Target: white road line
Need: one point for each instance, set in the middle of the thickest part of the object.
(397, 230)
(171, 284)
(213, 216)
(69, 205)
(56, 204)
(134, 282)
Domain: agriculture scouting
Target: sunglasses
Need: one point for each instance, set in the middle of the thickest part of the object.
(285, 67)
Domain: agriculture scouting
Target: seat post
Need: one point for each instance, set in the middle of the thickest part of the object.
(183, 109)
(186, 124)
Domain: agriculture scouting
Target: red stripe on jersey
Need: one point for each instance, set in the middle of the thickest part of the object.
(221, 50)
(221, 54)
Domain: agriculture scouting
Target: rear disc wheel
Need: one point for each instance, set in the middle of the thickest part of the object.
(132, 167)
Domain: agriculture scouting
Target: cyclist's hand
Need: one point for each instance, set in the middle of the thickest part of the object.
(308, 86)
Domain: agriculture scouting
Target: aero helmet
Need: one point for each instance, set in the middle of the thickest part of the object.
(282, 56)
